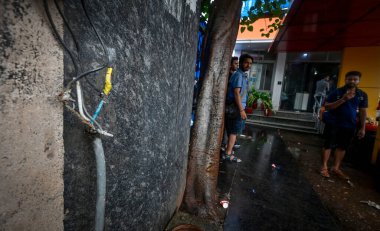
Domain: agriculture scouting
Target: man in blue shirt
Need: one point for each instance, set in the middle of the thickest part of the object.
(234, 65)
(340, 119)
(237, 93)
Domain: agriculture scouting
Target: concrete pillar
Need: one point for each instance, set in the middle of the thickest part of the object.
(278, 80)
(31, 120)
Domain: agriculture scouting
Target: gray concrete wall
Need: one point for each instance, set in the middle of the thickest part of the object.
(31, 121)
(152, 47)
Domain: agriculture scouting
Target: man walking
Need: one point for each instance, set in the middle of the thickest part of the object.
(340, 119)
(237, 94)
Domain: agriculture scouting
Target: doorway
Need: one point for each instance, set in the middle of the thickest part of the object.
(300, 84)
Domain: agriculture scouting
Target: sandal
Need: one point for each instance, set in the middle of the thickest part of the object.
(231, 158)
(223, 150)
(325, 172)
(340, 174)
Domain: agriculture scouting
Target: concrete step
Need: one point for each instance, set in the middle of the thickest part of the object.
(289, 127)
(288, 114)
(282, 120)
(287, 120)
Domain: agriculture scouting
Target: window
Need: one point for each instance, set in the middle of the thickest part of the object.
(261, 76)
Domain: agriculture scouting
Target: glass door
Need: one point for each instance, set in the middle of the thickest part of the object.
(300, 83)
(261, 76)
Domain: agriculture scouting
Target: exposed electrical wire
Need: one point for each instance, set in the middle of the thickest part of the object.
(102, 44)
(67, 94)
(58, 37)
(77, 78)
(66, 97)
(76, 45)
(67, 26)
(96, 32)
(76, 67)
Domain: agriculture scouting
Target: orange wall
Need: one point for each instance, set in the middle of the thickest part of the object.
(262, 23)
(367, 61)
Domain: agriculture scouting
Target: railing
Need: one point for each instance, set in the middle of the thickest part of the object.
(318, 102)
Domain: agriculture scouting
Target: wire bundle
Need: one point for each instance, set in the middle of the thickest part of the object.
(66, 95)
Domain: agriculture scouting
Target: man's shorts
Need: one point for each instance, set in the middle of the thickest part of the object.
(234, 125)
(336, 137)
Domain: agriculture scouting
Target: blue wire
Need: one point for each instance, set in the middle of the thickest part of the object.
(97, 111)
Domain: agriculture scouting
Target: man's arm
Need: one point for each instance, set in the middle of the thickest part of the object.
(335, 104)
(362, 120)
(339, 102)
(238, 103)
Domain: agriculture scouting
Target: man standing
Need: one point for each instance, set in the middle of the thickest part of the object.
(322, 86)
(340, 119)
(237, 94)
(233, 68)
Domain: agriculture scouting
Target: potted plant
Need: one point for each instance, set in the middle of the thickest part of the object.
(266, 103)
(249, 110)
(253, 96)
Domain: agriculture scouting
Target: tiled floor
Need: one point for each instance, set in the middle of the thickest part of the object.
(264, 197)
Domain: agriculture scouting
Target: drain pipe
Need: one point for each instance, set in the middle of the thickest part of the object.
(100, 184)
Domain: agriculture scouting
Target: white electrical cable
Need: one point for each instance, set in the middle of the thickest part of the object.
(80, 101)
(89, 116)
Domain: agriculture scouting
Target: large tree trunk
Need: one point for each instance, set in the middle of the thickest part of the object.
(200, 194)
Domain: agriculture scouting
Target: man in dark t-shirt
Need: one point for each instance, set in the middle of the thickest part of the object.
(340, 119)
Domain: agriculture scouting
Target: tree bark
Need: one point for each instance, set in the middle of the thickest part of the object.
(204, 153)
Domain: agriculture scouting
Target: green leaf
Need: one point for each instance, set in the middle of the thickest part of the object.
(242, 29)
(274, 4)
(258, 4)
(262, 29)
(250, 28)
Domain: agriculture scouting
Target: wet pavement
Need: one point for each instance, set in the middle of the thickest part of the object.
(267, 191)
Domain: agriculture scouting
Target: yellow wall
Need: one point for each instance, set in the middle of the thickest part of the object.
(367, 61)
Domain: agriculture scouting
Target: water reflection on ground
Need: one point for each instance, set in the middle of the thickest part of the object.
(266, 190)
